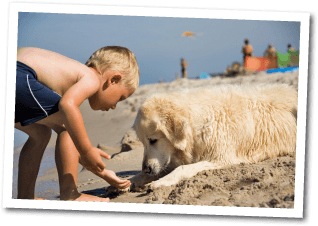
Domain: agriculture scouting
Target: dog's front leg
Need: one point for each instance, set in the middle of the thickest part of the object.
(181, 173)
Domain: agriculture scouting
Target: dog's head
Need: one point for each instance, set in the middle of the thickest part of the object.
(163, 128)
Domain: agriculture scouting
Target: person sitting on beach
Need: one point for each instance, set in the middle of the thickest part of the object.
(270, 51)
(228, 70)
(49, 90)
(247, 50)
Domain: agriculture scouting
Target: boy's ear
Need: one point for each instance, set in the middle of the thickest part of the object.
(114, 79)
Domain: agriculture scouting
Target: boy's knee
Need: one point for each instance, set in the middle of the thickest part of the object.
(55, 122)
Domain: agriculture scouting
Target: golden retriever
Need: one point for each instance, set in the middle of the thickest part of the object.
(187, 132)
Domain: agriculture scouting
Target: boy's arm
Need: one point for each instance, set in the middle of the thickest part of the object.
(69, 105)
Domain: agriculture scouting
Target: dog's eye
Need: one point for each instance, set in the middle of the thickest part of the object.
(152, 141)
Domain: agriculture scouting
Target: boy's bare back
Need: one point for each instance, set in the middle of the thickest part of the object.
(53, 70)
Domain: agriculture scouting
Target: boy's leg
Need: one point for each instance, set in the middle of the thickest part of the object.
(67, 163)
(67, 159)
(30, 158)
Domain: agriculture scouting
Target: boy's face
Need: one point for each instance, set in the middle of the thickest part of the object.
(109, 94)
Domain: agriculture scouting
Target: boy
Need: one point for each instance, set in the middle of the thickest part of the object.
(49, 90)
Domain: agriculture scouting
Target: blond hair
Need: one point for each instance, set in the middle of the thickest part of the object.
(119, 59)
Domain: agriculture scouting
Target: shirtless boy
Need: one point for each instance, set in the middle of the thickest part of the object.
(49, 90)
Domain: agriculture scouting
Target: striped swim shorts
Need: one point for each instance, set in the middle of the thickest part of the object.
(33, 101)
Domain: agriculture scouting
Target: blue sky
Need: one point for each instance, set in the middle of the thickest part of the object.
(156, 41)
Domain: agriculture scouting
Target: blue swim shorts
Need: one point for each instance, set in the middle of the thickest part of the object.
(33, 101)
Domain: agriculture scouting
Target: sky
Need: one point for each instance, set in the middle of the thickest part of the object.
(156, 41)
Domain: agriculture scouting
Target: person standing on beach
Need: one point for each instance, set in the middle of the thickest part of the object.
(270, 51)
(289, 47)
(49, 90)
(184, 65)
(247, 50)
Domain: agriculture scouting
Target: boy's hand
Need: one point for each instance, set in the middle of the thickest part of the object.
(92, 160)
(113, 180)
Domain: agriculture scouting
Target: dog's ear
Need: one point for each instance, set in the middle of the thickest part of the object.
(176, 129)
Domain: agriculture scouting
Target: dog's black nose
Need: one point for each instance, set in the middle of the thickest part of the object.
(147, 169)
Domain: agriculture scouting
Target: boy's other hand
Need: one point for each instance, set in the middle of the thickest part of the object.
(92, 160)
(113, 180)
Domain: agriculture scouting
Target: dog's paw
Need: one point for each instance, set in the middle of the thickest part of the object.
(125, 189)
(152, 186)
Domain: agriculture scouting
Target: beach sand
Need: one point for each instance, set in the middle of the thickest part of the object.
(270, 183)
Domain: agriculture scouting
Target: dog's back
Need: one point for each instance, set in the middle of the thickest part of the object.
(245, 124)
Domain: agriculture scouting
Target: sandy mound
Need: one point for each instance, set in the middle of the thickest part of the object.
(270, 183)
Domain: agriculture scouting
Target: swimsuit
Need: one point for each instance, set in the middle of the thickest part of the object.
(34, 101)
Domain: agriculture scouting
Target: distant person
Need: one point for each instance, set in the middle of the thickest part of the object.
(184, 65)
(49, 90)
(289, 47)
(247, 50)
(270, 51)
(228, 70)
(294, 56)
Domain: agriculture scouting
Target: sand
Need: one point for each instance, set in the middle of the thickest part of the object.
(270, 183)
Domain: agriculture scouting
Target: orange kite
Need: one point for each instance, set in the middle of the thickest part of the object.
(191, 34)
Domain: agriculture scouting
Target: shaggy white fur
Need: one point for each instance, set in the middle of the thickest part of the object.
(207, 129)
